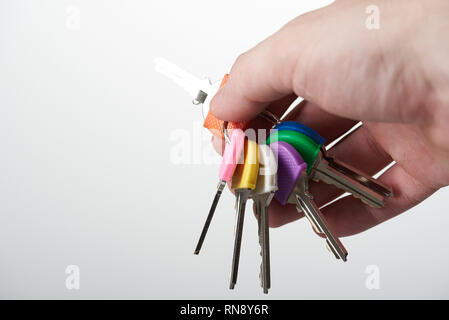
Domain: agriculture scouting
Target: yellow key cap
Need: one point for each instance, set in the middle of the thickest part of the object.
(245, 175)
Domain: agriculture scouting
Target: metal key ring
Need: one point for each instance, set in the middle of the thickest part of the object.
(225, 132)
(270, 117)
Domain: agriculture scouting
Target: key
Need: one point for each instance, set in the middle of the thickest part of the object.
(322, 167)
(201, 91)
(346, 169)
(244, 181)
(262, 195)
(362, 178)
(293, 188)
(231, 156)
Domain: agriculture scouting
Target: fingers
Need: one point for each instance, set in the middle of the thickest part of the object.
(277, 107)
(329, 126)
(280, 215)
(218, 144)
(346, 76)
(255, 80)
(349, 216)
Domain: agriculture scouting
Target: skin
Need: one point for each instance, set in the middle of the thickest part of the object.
(395, 79)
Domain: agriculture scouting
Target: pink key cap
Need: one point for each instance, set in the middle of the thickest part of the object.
(231, 155)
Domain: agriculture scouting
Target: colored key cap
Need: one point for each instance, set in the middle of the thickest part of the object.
(231, 157)
(322, 167)
(301, 128)
(308, 148)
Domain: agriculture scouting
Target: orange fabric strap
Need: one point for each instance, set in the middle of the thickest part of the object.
(215, 125)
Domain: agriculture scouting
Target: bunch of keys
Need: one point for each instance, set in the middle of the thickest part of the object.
(255, 177)
(322, 167)
(251, 168)
(280, 169)
(301, 157)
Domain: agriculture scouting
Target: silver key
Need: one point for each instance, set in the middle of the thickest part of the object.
(231, 156)
(357, 175)
(220, 187)
(304, 202)
(262, 203)
(262, 196)
(349, 179)
(244, 181)
(201, 90)
(241, 198)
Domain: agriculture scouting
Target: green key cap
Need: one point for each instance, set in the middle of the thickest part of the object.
(307, 148)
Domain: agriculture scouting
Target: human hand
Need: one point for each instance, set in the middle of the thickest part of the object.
(395, 79)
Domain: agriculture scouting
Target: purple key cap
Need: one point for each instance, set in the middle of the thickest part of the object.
(290, 166)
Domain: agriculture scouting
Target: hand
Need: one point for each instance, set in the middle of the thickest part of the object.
(395, 79)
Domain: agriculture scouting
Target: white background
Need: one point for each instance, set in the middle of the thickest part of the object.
(86, 177)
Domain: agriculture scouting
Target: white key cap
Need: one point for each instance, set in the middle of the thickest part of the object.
(201, 90)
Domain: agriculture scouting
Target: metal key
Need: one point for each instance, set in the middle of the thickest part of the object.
(262, 196)
(231, 156)
(344, 168)
(244, 181)
(201, 90)
(321, 167)
(293, 188)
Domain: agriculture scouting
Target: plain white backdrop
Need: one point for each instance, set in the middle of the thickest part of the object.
(86, 177)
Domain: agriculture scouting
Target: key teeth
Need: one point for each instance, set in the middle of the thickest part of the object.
(366, 202)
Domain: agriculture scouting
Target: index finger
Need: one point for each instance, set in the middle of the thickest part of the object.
(258, 77)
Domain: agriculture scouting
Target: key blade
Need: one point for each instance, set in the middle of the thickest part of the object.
(314, 215)
(305, 201)
(359, 176)
(242, 196)
(262, 202)
(322, 171)
(265, 248)
(190, 83)
(220, 188)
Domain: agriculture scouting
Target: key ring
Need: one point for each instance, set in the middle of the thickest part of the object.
(225, 132)
(200, 98)
(270, 117)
